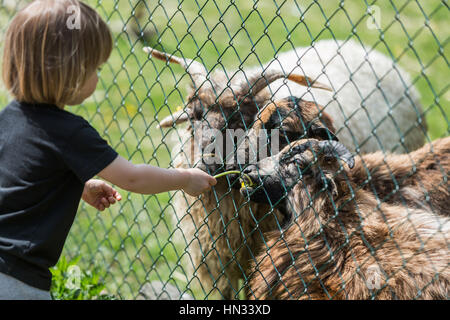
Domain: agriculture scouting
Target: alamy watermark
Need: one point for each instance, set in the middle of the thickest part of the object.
(232, 147)
(74, 20)
(73, 281)
(373, 277)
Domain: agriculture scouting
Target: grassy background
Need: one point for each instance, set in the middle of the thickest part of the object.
(134, 241)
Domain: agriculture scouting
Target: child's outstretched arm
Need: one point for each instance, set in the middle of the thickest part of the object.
(147, 179)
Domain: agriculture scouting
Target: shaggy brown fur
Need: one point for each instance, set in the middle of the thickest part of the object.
(292, 114)
(417, 179)
(360, 250)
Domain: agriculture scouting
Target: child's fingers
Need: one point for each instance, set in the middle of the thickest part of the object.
(207, 188)
(111, 200)
(107, 189)
(105, 202)
(114, 194)
(117, 195)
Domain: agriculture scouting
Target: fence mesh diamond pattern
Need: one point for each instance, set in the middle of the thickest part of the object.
(170, 246)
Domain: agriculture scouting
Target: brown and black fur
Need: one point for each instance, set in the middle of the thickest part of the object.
(296, 119)
(418, 179)
(339, 233)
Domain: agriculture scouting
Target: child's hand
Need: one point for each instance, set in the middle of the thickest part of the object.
(198, 182)
(99, 194)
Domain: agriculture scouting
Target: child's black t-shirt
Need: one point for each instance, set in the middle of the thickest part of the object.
(46, 156)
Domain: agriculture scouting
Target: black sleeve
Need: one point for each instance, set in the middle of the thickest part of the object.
(87, 154)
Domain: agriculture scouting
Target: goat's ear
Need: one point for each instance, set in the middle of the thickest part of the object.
(175, 118)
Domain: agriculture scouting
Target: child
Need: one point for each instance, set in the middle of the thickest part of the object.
(48, 155)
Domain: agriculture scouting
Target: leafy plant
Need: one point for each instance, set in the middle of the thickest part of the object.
(70, 282)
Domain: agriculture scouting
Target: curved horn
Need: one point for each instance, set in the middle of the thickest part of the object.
(176, 117)
(197, 70)
(338, 150)
(260, 81)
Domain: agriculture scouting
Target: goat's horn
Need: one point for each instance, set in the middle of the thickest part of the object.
(197, 70)
(261, 81)
(307, 81)
(336, 149)
(176, 117)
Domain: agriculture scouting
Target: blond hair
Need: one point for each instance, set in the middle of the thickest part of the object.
(51, 49)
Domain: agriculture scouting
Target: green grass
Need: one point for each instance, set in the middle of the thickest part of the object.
(134, 241)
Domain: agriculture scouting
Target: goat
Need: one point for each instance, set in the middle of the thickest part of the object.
(222, 232)
(220, 228)
(338, 240)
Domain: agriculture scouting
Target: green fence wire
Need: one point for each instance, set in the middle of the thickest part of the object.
(141, 244)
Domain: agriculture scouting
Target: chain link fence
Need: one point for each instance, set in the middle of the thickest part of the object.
(169, 246)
